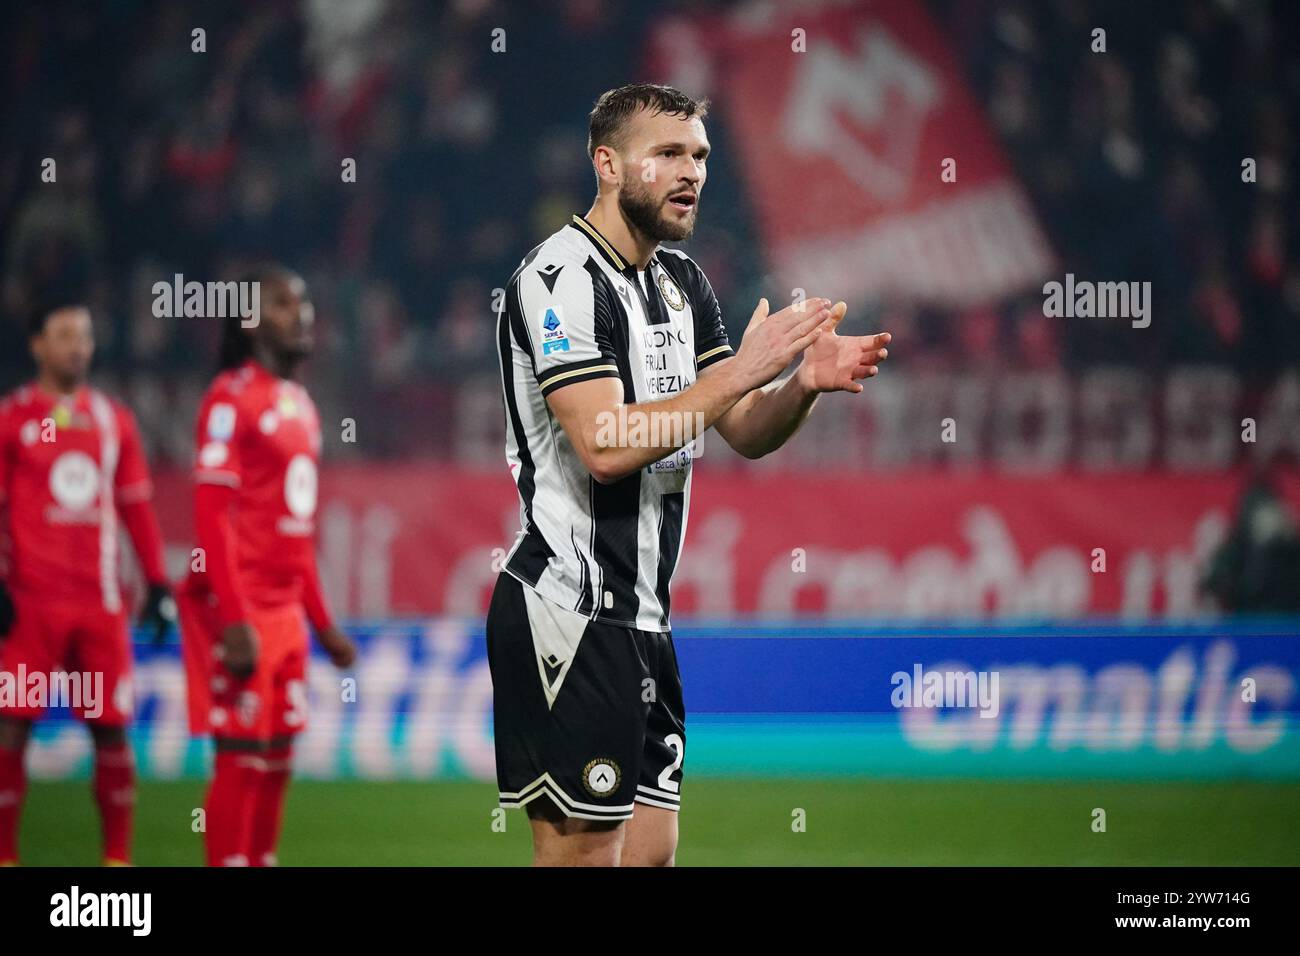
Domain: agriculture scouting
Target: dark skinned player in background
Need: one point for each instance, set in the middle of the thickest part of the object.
(245, 607)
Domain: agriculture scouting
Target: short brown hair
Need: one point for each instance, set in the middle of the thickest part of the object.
(615, 107)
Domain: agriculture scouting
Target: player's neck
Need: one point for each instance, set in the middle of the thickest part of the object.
(277, 365)
(56, 387)
(618, 232)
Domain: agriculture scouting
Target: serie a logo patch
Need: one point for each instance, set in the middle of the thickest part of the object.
(601, 777)
(553, 337)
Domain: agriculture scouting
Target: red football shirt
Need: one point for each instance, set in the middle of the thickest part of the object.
(260, 435)
(67, 463)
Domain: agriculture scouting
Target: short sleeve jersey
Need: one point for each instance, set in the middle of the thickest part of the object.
(575, 311)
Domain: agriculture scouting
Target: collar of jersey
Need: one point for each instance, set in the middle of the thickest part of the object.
(257, 370)
(78, 395)
(605, 247)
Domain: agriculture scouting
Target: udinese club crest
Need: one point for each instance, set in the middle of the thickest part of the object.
(601, 777)
(672, 295)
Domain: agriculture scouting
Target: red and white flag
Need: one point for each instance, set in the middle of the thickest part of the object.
(845, 146)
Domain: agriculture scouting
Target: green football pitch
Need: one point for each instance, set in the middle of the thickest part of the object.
(744, 822)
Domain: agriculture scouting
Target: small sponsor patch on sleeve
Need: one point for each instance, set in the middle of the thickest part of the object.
(221, 421)
(553, 337)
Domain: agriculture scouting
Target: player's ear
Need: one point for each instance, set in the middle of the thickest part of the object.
(608, 165)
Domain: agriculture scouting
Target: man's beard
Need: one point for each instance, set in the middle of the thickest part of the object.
(645, 213)
(70, 377)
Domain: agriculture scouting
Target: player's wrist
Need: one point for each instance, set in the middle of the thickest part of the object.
(737, 380)
(802, 381)
(232, 617)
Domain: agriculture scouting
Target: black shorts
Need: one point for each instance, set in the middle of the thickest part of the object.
(586, 713)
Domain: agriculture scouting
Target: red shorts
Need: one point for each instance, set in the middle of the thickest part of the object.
(60, 652)
(272, 702)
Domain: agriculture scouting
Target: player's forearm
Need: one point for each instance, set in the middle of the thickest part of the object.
(627, 438)
(314, 603)
(217, 539)
(767, 417)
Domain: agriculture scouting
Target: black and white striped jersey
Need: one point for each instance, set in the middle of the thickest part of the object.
(575, 310)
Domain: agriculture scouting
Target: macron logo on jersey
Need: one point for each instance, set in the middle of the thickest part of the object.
(553, 337)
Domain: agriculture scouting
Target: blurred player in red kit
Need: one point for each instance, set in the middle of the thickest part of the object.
(71, 467)
(244, 608)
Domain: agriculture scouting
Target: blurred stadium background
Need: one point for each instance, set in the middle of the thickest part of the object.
(1120, 681)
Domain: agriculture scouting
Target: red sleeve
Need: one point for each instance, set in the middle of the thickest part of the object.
(6, 468)
(6, 450)
(313, 600)
(217, 439)
(131, 481)
(142, 524)
(216, 536)
(217, 475)
(133, 491)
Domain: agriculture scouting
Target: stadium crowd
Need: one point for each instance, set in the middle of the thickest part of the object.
(171, 161)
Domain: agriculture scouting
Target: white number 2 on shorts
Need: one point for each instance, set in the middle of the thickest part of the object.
(665, 779)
